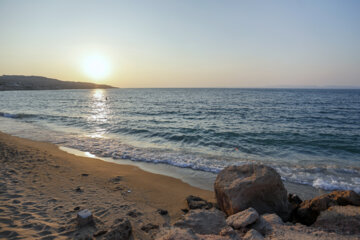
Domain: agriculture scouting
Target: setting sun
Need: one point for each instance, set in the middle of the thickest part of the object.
(96, 67)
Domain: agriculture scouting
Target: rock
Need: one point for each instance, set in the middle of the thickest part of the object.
(99, 233)
(340, 219)
(116, 179)
(84, 217)
(148, 227)
(230, 232)
(178, 234)
(243, 218)
(273, 219)
(120, 230)
(309, 210)
(197, 203)
(258, 186)
(79, 189)
(162, 212)
(266, 223)
(295, 202)
(203, 221)
(185, 210)
(261, 226)
(134, 213)
(253, 235)
(294, 199)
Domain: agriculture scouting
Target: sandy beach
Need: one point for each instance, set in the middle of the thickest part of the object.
(43, 188)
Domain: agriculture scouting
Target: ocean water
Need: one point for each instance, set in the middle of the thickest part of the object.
(310, 137)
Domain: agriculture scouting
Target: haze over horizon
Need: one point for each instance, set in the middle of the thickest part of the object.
(184, 43)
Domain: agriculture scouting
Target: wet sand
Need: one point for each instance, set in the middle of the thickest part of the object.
(42, 188)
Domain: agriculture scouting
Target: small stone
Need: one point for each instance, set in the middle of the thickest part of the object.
(243, 218)
(116, 179)
(84, 217)
(162, 212)
(197, 203)
(85, 174)
(99, 233)
(121, 229)
(79, 189)
(253, 235)
(228, 231)
(134, 213)
(148, 227)
(76, 208)
(185, 210)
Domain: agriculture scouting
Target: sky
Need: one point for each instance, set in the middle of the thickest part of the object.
(184, 43)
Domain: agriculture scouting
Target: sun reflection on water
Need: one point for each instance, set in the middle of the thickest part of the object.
(99, 113)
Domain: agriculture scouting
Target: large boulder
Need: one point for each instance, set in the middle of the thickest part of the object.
(203, 221)
(309, 210)
(258, 186)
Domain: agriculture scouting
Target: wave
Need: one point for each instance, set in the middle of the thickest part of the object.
(17, 115)
(324, 177)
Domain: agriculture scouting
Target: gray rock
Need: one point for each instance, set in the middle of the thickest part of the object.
(240, 187)
(341, 219)
(198, 203)
(273, 219)
(203, 221)
(309, 210)
(120, 230)
(229, 232)
(177, 234)
(262, 226)
(253, 235)
(266, 223)
(243, 218)
(84, 217)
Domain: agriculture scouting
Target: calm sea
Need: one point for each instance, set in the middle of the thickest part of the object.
(311, 137)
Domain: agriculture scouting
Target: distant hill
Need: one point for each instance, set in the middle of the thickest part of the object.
(19, 82)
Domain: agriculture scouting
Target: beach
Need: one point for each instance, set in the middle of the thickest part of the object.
(43, 188)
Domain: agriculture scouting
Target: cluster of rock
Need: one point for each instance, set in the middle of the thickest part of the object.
(252, 202)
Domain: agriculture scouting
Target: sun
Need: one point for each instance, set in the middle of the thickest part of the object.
(96, 66)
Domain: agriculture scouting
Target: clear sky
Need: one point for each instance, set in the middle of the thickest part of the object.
(184, 43)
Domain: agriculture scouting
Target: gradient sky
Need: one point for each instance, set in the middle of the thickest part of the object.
(184, 43)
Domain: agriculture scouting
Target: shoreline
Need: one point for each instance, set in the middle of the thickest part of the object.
(195, 178)
(43, 186)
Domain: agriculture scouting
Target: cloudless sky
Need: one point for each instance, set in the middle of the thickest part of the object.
(185, 43)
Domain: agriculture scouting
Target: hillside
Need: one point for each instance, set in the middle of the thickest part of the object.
(19, 82)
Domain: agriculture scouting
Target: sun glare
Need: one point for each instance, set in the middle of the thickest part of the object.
(96, 67)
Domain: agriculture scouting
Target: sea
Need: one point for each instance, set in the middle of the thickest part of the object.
(310, 136)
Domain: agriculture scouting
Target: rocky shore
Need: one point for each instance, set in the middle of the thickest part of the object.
(49, 194)
(252, 203)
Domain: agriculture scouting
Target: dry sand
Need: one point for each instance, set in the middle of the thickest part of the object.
(42, 188)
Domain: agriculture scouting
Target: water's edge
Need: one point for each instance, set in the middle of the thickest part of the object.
(199, 179)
